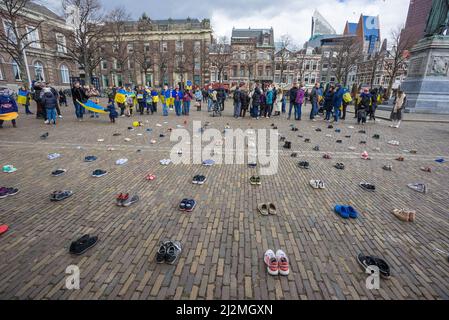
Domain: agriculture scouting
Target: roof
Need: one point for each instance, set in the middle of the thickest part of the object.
(32, 6)
(320, 25)
(249, 33)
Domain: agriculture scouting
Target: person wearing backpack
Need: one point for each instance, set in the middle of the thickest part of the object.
(237, 102)
(328, 102)
(338, 101)
(363, 106)
(292, 95)
(244, 102)
(346, 100)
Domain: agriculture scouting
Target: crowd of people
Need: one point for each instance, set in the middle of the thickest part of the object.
(262, 100)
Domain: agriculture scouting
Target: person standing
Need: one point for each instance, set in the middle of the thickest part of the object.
(186, 99)
(373, 106)
(398, 106)
(40, 110)
(198, 98)
(78, 95)
(255, 96)
(141, 99)
(299, 100)
(328, 102)
(314, 101)
(165, 96)
(27, 94)
(221, 97)
(269, 101)
(338, 100)
(177, 95)
(155, 100)
(244, 101)
(50, 101)
(292, 97)
(237, 102)
(62, 98)
(7, 105)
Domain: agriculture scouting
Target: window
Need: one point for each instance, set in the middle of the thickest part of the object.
(164, 46)
(197, 46)
(179, 45)
(259, 71)
(307, 66)
(146, 47)
(9, 31)
(234, 71)
(290, 79)
(332, 79)
(278, 66)
(130, 48)
(130, 64)
(114, 48)
(61, 43)
(114, 65)
(268, 71)
(104, 64)
(243, 55)
(197, 63)
(277, 79)
(265, 41)
(39, 71)
(16, 71)
(65, 75)
(242, 71)
(314, 66)
(105, 81)
(325, 65)
(33, 37)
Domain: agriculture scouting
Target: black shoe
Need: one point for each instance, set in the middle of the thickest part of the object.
(44, 136)
(294, 155)
(161, 252)
(340, 166)
(287, 145)
(307, 140)
(366, 261)
(99, 173)
(316, 148)
(318, 130)
(367, 186)
(58, 172)
(303, 165)
(330, 126)
(362, 142)
(90, 158)
(83, 244)
(201, 179)
(339, 141)
(173, 252)
(376, 136)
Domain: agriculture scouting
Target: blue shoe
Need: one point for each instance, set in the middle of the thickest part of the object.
(183, 204)
(342, 211)
(352, 212)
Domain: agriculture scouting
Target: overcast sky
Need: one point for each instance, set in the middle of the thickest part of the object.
(291, 17)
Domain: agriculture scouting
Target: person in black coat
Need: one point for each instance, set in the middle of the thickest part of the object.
(78, 95)
(328, 102)
(40, 110)
(292, 96)
(256, 95)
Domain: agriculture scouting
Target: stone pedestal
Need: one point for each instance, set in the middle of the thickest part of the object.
(427, 82)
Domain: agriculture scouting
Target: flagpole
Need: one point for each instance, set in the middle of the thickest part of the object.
(27, 69)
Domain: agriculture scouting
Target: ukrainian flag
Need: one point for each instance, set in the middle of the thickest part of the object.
(22, 97)
(9, 116)
(120, 96)
(92, 106)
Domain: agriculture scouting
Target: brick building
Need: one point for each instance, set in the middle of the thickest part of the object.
(418, 11)
(252, 55)
(46, 58)
(157, 52)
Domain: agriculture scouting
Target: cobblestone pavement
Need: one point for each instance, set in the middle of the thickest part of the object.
(224, 238)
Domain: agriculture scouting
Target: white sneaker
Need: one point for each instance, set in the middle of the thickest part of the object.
(283, 265)
(46, 122)
(60, 116)
(272, 262)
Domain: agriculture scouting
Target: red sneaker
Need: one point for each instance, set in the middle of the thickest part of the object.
(282, 259)
(271, 262)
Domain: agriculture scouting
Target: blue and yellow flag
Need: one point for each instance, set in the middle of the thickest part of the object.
(9, 110)
(22, 97)
(120, 96)
(92, 106)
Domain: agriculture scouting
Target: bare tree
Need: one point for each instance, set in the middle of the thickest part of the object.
(162, 57)
(220, 56)
(86, 19)
(283, 55)
(348, 52)
(376, 59)
(116, 25)
(397, 57)
(19, 32)
(181, 60)
(300, 60)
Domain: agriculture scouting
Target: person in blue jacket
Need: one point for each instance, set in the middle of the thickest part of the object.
(178, 95)
(338, 100)
(7, 105)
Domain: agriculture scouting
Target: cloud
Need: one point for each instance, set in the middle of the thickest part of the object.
(291, 17)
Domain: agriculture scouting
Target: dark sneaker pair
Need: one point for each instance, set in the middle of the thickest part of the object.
(255, 180)
(187, 205)
(316, 148)
(294, 129)
(90, 158)
(303, 165)
(60, 195)
(340, 166)
(362, 131)
(287, 145)
(327, 156)
(169, 252)
(330, 126)
(99, 173)
(44, 136)
(307, 140)
(58, 172)
(282, 138)
(294, 155)
(124, 200)
(252, 164)
(83, 244)
(376, 136)
(367, 186)
(318, 130)
(199, 179)
(367, 261)
(339, 141)
(6, 192)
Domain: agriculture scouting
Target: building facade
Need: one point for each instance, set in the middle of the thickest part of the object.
(46, 58)
(252, 53)
(157, 52)
(415, 25)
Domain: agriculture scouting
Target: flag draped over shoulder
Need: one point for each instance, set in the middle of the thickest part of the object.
(22, 97)
(92, 106)
(8, 110)
(120, 96)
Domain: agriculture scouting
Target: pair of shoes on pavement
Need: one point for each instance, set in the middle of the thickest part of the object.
(60, 195)
(3, 228)
(165, 162)
(7, 192)
(255, 180)
(53, 156)
(9, 168)
(208, 162)
(340, 166)
(367, 186)
(121, 161)
(327, 156)
(124, 200)
(199, 179)
(266, 209)
(365, 156)
(420, 187)
(99, 173)
(426, 169)
(276, 263)
(150, 177)
(387, 167)
(304, 165)
(317, 184)
(83, 244)
(90, 158)
(401, 159)
(405, 215)
(316, 148)
(168, 252)
(367, 261)
(44, 136)
(346, 212)
(187, 205)
(287, 145)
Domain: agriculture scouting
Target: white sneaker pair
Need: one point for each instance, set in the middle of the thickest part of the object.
(165, 162)
(277, 263)
(317, 184)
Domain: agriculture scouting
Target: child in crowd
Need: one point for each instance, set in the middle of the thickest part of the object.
(129, 104)
(112, 112)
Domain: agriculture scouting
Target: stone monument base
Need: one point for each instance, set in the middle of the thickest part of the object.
(427, 82)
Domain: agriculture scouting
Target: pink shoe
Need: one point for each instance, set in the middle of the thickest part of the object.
(271, 262)
(282, 259)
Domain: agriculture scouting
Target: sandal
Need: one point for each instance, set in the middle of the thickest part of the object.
(263, 209)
